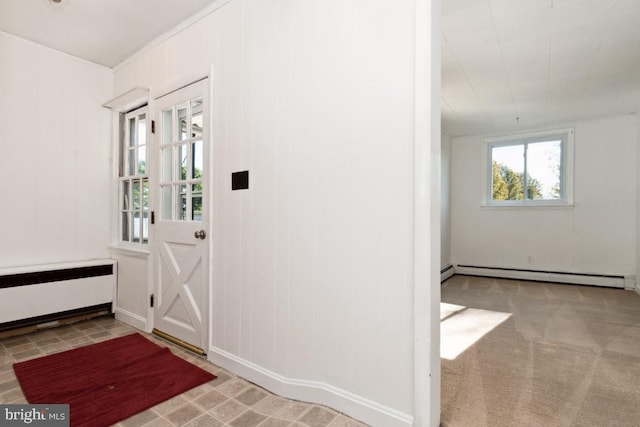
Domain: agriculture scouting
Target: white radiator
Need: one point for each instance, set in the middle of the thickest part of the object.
(40, 290)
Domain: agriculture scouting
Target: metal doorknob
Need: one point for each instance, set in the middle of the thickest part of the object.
(200, 234)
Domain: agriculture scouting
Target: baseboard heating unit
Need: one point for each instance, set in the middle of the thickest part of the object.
(446, 272)
(47, 293)
(612, 281)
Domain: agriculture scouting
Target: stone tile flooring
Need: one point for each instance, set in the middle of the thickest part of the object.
(226, 401)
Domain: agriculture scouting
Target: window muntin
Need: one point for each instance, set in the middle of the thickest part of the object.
(182, 162)
(134, 180)
(529, 170)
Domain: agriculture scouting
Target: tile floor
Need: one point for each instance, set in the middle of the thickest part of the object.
(226, 401)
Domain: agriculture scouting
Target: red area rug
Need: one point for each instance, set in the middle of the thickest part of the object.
(107, 382)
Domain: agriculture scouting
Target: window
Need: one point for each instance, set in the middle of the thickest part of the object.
(182, 159)
(134, 179)
(533, 169)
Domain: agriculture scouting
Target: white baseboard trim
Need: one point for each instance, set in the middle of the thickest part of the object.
(446, 272)
(543, 276)
(341, 400)
(131, 319)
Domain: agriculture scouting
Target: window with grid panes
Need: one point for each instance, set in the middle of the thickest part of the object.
(134, 179)
(182, 159)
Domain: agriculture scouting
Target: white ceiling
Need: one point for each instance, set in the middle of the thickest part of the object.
(545, 62)
(507, 65)
(102, 31)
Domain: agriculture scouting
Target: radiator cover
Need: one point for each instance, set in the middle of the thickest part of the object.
(34, 291)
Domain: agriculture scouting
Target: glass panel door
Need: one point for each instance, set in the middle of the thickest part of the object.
(182, 162)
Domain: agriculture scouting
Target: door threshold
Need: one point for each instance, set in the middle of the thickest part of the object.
(179, 342)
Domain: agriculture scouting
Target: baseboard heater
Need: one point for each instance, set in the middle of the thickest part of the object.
(56, 319)
(39, 294)
(446, 272)
(613, 281)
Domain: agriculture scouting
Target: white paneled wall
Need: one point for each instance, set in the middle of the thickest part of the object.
(55, 163)
(132, 299)
(597, 235)
(312, 280)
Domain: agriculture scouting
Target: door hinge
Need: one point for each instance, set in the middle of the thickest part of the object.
(153, 217)
(153, 126)
(151, 300)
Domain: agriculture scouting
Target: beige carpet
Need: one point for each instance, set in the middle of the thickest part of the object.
(537, 354)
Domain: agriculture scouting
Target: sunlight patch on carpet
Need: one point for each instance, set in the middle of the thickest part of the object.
(461, 327)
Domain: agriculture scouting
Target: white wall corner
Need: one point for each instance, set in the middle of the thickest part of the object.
(426, 215)
(355, 406)
(131, 319)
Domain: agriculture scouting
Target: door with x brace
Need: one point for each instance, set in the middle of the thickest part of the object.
(181, 242)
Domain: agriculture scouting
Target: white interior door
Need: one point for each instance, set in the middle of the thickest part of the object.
(181, 249)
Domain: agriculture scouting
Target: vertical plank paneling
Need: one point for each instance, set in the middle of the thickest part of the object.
(284, 178)
(195, 49)
(56, 145)
(144, 68)
(48, 138)
(398, 193)
(301, 360)
(178, 55)
(218, 169)
(245, 133)
(93, 183)
(265, 155)
(18, 161)
(312, 271)
(335, 47)
(125, 78)
(68, 104)
(160, 70)
(233, 207)
(371, 123)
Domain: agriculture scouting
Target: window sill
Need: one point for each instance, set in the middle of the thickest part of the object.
(130, 251)
(528, 206)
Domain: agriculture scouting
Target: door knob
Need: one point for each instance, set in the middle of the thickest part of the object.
(200, 234)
